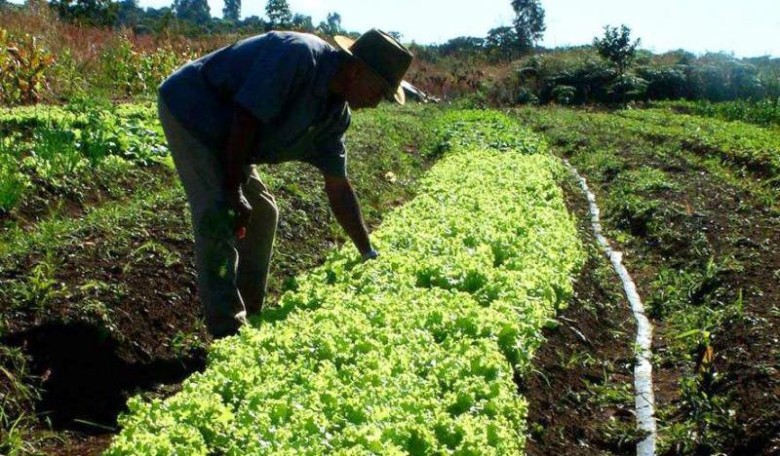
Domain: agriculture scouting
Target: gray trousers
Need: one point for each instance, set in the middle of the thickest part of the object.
(232, 273)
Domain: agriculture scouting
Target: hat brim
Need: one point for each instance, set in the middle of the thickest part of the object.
(345, 43)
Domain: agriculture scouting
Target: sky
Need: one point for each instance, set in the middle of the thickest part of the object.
(746, 28)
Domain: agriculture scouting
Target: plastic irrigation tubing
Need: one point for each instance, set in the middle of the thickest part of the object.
(643, 370)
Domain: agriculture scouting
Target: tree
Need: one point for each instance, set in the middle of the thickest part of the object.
(278, 12)
(129, 14)
(302, 23)
(503, 43)
(195, 11)
(102, 13)
(616, 46)
(529, 22)
(332, 26)
(232, 10)
(464, 45)
(254, 23)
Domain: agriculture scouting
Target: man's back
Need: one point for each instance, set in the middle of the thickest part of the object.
(279, 77)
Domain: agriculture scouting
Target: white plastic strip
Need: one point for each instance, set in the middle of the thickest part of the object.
(643, 370)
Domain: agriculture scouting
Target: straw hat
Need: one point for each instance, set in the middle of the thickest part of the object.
(382, 53)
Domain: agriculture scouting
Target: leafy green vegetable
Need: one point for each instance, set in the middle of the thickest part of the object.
(412, 353)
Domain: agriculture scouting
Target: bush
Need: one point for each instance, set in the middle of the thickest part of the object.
(723, 78)
(590, 79)
(564, 94)
(626, 87)
(665, 83)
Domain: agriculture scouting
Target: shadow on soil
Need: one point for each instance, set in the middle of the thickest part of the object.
(84, 381)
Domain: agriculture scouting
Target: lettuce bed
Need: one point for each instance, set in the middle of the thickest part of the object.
(413, 353)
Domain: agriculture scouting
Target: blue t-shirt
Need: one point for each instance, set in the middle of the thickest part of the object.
(282, 78)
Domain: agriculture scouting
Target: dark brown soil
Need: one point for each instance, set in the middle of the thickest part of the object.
(590, 349)
(77, 444)
(87, 370)
(73, 196)
(87, 363)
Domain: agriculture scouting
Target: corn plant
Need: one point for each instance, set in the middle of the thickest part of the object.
(133, 71)
(23, 66)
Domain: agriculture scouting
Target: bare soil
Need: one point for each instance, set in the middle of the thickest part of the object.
(743, 375)
(588, 351)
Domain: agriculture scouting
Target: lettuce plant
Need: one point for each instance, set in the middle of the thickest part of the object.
(412, 353)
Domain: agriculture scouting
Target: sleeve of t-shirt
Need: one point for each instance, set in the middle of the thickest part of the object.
(332, 157)
(274, 77)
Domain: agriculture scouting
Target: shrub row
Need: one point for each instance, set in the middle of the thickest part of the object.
(579, 75)
(412, 353)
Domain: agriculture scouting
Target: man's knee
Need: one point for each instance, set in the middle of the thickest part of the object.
(262, 201)
(267, 209)
(213, 222)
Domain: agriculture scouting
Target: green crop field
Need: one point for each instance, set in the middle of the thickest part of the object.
(432, 348)
(509, 200)
(413, 354)
(420, 352)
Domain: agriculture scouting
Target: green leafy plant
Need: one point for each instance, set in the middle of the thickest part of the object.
(73, 147)
(13, 184)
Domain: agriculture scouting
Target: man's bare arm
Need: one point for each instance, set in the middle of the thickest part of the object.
(344, 204)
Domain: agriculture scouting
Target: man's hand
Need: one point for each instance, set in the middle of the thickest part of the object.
(370, 255)
(241, 212)
(345, 207)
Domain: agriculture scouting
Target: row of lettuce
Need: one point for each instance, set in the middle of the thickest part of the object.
(56, 149)
(413, 353)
